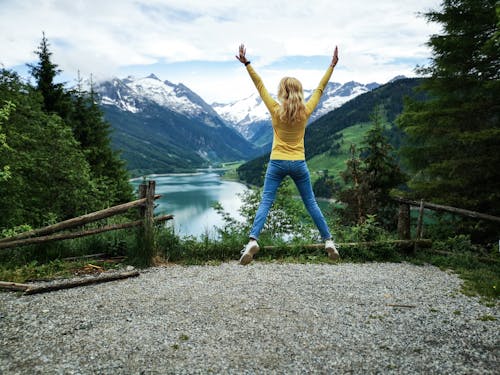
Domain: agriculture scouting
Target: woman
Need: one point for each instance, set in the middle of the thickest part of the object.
(289, 119)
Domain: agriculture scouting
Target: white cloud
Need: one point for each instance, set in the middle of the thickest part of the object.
(104, 36)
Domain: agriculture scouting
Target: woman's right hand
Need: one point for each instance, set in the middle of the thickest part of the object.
(241, 55)
(335, 57)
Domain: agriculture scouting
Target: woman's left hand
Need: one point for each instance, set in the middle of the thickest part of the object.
(241, 56)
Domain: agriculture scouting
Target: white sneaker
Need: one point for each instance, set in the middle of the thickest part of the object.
(251, 248)
(331, 250)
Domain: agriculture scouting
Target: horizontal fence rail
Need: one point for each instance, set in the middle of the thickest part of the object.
(72, 235)
(421, 242)
(439, 207)
(79, 221)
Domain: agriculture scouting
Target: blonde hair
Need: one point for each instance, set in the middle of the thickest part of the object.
(291, 96)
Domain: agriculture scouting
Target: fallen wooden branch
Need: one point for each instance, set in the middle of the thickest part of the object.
(398, 305)
(67, 236)
(103, 257)
(14, 286)
(421, 242)
(81, 282)
(89, 256)
(78, 221)
(117, 259)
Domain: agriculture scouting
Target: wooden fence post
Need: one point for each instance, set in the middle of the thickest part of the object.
(142, 194)
(146, 244)
(150, 201)
(420, 221)
(404, 221)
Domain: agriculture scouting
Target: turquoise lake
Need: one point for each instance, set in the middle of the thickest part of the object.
(190, 198)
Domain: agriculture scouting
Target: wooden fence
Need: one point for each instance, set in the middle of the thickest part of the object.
(145, 203)
(404, 231)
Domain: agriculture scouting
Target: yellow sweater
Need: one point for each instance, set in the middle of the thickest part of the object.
(288, 140)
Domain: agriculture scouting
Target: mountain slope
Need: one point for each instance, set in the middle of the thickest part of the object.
(250, 116)
(148, 144)
(162, 127)
(322, 134)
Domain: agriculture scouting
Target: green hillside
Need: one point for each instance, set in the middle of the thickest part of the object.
(252, 171)
(320, 135)
(336, 163)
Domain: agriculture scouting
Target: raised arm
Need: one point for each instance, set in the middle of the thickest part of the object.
(264, 94)
(314, 99)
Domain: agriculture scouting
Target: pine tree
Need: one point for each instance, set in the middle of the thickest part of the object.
(453, 138)
(80, 112)
(4, 116)
(357, 194)
(49, 176)
(93, 133)
(381, 168)
(370, 177)
(55, 98)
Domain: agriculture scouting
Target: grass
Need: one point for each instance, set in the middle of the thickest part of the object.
(487, 318)
(46, 261)
(480, 276)
(230, 173)
(336, 164)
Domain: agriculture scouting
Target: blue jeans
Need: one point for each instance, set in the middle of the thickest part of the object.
(277, 170)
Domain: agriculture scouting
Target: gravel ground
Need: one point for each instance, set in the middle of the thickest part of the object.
(264, 318)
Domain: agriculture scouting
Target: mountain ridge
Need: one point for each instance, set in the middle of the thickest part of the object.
(163, 127)
(250, 117)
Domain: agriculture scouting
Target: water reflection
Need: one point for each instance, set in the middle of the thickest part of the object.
(190, 197)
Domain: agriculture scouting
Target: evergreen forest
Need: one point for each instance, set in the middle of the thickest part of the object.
(55, 151)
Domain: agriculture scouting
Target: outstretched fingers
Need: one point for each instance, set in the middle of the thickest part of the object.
(242, 53)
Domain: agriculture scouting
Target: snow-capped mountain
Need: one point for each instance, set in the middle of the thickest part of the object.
(162, 127)
(243, 113)
(336, 95)
(250, 114)
(130, 94)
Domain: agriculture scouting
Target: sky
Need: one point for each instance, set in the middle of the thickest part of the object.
(194, 42)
